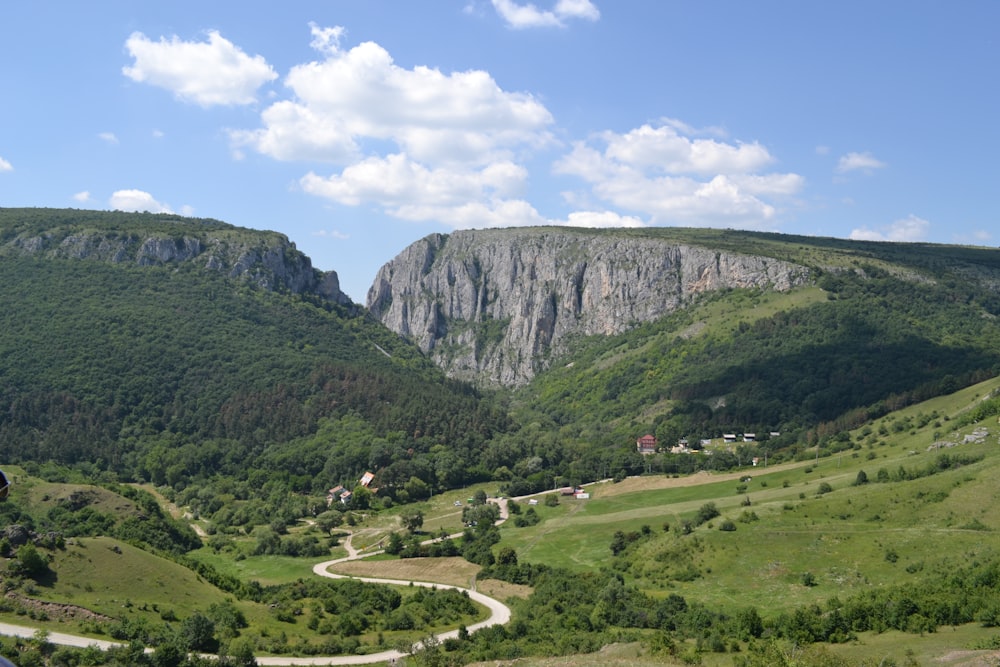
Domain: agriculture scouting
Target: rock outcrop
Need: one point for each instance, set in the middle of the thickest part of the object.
(266, 259)
(494, 306)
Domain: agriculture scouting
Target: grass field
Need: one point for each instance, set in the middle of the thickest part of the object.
(805, 517)
(849, 538)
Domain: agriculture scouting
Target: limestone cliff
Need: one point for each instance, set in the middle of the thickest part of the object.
(266, 259)
(494, 306)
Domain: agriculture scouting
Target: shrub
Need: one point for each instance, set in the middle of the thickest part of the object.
(706, 513)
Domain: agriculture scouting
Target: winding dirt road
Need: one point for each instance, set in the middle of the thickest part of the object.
(499, 615)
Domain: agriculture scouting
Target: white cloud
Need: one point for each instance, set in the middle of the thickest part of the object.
(419, 144)
(5, 166)
(909, 229)
(664, 149)
(409, 190)
(209, 73)
(326, 40)
(137, 200)
(332, 234)
(294, 131)
(595, 219)
(108, 137)
(361, 95)
(529, 16)
(83, 196)
(854, 161)
(676, 179)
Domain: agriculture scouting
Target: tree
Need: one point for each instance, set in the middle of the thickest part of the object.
(412, 520)
(170, 653)
(198, 632)
(862, 478)
(241, 653)
(506, 556)
(30, 561)
(395, 545)
(417, 489)
(749, 623)
(618, 543)
(329, 520)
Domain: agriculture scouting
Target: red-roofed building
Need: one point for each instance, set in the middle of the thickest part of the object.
(646, 444)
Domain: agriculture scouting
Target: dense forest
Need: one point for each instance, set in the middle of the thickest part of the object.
(170, 373)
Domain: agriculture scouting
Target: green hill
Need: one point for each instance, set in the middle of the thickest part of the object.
(167, 370)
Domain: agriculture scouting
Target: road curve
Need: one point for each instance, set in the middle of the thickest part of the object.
(499, 615)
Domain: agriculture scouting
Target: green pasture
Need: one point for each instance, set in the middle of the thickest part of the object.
(116, 579)
(267, 570)
(810, 518)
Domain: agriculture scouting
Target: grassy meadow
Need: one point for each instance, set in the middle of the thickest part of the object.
(848, 538)
(805, 519)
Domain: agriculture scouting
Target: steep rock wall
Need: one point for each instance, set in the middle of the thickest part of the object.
(493, 306)
(265, 259)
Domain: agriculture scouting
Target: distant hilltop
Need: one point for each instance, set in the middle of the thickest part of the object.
(266, 259)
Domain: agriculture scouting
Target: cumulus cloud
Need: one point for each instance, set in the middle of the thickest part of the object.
(596, 219)
(5, 166)
(666, 174)
(82, 196)
(412, 191)
(663, 148)
(529, 16)
(214, 72)
(909, 229)
(108, 137)
(417, 143)
(858, 161)
(137, 200)
(425, 145)
(361, 94)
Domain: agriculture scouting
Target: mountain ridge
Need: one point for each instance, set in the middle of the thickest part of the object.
(266, 259)
(495, 306)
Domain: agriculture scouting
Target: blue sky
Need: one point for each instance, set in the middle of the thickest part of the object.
(356, 127)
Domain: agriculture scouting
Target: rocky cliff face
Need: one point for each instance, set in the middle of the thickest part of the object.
(493, 306)
(266, 259)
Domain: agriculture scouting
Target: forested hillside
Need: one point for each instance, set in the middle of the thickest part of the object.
(128, 346)
(172, 371)
(810, 364)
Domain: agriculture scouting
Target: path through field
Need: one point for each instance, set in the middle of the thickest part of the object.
(499, 615)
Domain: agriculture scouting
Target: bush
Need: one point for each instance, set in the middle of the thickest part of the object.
(706, 513)
(727, 526)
